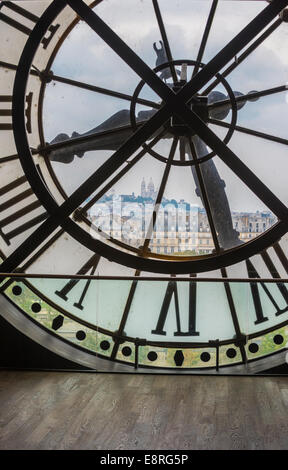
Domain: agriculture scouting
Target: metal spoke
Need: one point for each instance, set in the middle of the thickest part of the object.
(204, 194)
(175, 103)
(165, 39)
(246, 130)
(97, 89)
(125, 315)
(31, 260)
(60, 215)
(182, 148)
(8, 158)
(240, 169)
(8, 65)
(244, 55)
(121, 173)
(239, 335)
(234, 47)
(205, 36)
(254, 95)
(121, 48)
(159, 196)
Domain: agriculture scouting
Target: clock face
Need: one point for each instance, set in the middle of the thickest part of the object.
(146, 141)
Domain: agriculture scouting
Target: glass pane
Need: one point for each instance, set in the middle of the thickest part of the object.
(177, 323)
(249, 217)
(230, 18)
(266, 160)
(96, 63)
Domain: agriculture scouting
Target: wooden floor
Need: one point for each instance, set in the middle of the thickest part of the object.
(47, 410)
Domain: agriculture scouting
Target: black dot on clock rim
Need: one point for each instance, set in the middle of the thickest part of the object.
(105, 345)
(36, 307)
(17, 290)
(126, 351)
(205, 357)
(278, 339)
(231, 353)
(152, 356)
(80, 335)
(253, 348)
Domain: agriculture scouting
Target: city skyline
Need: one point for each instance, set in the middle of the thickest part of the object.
(177, 227)
(152, 191)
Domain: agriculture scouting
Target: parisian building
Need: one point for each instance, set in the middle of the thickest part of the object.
(180, 228)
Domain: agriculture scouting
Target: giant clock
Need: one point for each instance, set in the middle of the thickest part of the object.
(141, 142)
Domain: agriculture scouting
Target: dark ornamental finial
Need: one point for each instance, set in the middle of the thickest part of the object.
(161, 54)
(162, 59)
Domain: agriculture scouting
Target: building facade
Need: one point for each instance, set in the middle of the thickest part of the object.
(179, 227)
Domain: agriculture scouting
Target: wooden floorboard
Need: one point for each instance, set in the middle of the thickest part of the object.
(64, 410)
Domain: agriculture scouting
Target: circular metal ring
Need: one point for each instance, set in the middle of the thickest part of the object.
(209, 155)
(206, 263)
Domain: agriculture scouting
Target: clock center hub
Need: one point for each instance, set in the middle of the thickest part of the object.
(198, 104)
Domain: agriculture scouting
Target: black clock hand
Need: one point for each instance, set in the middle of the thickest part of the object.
(112, 141)
(219, 105)
(62, 149)
(209, 186)
(121, 118)
(203, 76)
(216, 196)
(60, 215)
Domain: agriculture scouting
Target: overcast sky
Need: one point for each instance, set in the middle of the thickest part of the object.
(85, 57)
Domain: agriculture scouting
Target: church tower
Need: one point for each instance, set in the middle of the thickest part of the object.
(151, 189)
(143, 188)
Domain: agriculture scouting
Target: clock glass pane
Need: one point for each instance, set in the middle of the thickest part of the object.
(145, 137)
(162, 202)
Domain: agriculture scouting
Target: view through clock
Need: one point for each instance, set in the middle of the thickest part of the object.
(143, 141)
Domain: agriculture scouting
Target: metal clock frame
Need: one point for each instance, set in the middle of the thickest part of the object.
(59, 215)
